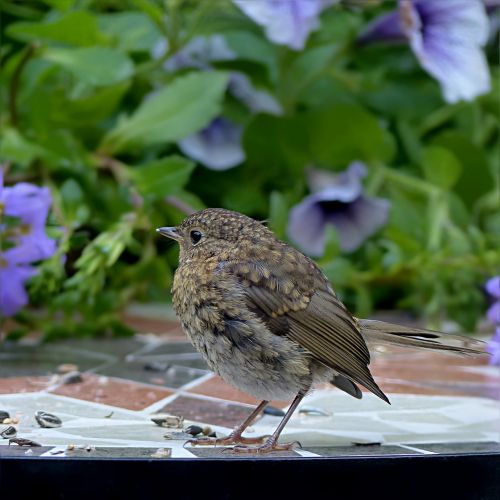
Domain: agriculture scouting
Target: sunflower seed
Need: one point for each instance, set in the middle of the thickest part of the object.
(8, 432)
(170, 421)
(48, 420)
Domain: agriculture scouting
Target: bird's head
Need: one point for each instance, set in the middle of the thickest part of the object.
(216, 232)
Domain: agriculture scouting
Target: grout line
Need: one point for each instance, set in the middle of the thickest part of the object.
(157, 405)
(196, 382)
(412, 448)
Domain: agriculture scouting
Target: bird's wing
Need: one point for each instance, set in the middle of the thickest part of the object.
(292, 296)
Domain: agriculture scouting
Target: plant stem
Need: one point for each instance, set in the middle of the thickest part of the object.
(180, 205)
(14, 82)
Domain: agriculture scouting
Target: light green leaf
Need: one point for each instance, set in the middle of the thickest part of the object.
(185, 106)
(251, 47)
(16, 148)
(133, 31)
(440, 166)
(93, 65)
(72, 196)
(305, 69)
(162, 177)
(476, 179)
(75, 28)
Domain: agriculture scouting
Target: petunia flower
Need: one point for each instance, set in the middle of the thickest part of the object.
(199, 53)
(217, 146)
(447, 37)
(13, 276)
(493, 347)
(286, 22)
(337, 200)
(493, 288)
(22, 240)
(30, 204)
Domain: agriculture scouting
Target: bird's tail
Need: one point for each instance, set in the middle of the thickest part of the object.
(378, 332)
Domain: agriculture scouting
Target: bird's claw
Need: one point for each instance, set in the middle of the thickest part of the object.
(267, 447)
(226, 441)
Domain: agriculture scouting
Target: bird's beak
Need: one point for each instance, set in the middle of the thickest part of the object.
(169, 232)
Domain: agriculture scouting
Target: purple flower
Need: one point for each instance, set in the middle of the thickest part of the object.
(218, 146)
(13, 296)
(447, 37)
(337, 200)
(286, 22)
(22, 240)
(198, 53)
(493, 348)
(493, 289)
(257, 101)
(491, 5)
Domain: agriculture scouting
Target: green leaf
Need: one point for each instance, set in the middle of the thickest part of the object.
(276, 142)
(251, 47)
(73, 198)
(476, 179)
(185, 106)
(75, 28)
(162, 177)
(346, 132)
(278, 213)
(305, 69)
(440, 167)
(133, 31)
(93, 65)
(14, 147)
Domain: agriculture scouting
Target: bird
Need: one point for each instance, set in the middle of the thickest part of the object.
(266, 319)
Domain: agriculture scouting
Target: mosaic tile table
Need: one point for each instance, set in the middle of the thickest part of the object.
(441, 405)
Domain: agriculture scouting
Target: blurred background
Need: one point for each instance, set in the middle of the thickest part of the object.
(365, 133)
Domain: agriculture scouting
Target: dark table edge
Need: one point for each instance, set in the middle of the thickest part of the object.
(456, 476)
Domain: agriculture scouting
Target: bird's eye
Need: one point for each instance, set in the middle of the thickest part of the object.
(195, 237)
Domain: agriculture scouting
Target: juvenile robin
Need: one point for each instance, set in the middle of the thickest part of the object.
(266, 319)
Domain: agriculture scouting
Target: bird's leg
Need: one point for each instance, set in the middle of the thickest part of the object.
(236, 435)
(271, 444)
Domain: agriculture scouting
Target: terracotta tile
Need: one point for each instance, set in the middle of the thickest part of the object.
(217, 388)
(158, 326)
(204, 410)
(422, 373)
(121, 393)
(16, 385)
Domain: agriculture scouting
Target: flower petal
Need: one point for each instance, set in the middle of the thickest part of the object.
(200, 52)
(493, 286)
(447, 40)
(361, 219)
(306, 226)
(217, 147)
(493, 314)
(387, 27)
(257, 101)
(286, 22)
(13, 296)
(493, 347)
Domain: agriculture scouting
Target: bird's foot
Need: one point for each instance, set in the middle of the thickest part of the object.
(268, 447)
(227, 441)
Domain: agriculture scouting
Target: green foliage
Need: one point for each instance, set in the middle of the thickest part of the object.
(88, 111)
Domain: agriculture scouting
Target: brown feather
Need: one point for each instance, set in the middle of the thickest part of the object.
(379, 332)
(315, 318)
